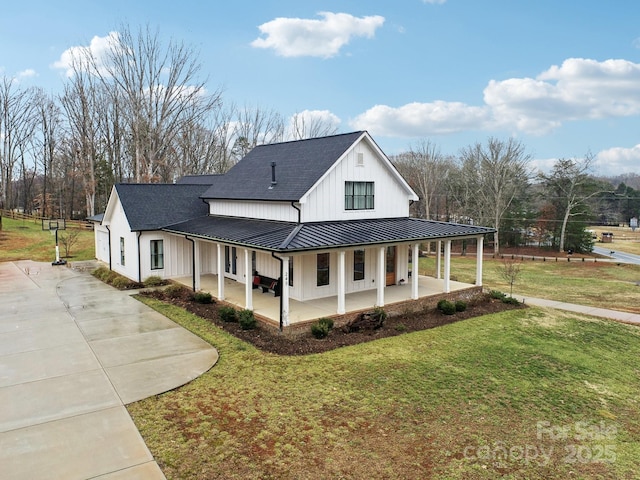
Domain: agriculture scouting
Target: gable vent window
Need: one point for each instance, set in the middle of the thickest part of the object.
(360, 160)
(358, 195)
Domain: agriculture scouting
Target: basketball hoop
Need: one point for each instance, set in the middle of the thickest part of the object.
(53, 225)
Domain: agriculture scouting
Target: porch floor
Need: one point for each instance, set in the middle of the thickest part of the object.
(268, 306)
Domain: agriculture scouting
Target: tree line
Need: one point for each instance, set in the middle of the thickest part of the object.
(141, 112)
(138, 112)
(493, 184)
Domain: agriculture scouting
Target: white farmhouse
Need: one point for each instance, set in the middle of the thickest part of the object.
(317, 222)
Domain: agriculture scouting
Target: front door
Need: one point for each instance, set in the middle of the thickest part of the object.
(230, 260)
(391, 266)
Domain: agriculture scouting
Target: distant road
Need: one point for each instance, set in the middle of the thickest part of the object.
(621, 257)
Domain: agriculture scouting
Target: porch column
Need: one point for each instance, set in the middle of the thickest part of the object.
(248, 283)
(479, 256)
(220, 272)
(284, 291)
(415, 270)
(382, 278)
(196, 265)
(438, 265)
(341, 282)
(447, 266)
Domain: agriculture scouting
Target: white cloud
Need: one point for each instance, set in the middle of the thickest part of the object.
(435, 2)
(97, 48)
(618, 159)
(421, 119)
(298, 37)
(579, 89)
(28, 73)
(312, 123)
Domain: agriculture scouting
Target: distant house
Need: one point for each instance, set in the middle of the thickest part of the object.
(323, 218)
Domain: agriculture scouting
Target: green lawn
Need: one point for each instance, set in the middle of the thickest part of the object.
(478, 399)
(600, 284)
(25, 240)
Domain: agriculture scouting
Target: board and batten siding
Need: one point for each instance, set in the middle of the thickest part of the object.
(326, 201)
(119, 228)
(281, 211)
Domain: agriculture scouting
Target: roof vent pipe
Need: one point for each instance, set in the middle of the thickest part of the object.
(273, 174)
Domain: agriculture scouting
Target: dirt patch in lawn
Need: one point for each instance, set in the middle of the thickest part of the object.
(269, 339)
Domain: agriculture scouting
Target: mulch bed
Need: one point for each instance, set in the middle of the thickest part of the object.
(271, 340)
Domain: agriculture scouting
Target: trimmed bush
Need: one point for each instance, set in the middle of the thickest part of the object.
(154, 281)
(328, 321)
(461, 305)
(380, 314)
(511, 300)
(101, 273)
(121, 283)
(202, 297)
(447, 307)
(175, 290)
(227, 314)
(320, 329)
(247, 319)
(498, 295)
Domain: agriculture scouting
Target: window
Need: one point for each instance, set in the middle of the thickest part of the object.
(157, 254)
(322, 269)
(291, 271)
(358, 265)
(358, 195)
(122, 251)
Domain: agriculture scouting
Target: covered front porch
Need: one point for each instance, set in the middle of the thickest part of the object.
(267, 306)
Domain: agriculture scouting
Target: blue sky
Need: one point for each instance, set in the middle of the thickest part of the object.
(563, 77)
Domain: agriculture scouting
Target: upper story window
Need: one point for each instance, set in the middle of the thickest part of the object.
(358, 195)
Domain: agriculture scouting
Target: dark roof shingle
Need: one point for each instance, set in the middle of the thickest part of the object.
(151, 206)
(299, 165)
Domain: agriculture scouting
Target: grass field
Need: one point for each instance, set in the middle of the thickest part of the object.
(533, 394)
(624, 239)
(600, 284)
(25, 240)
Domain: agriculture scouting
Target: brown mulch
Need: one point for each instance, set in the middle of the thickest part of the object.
(270, 339)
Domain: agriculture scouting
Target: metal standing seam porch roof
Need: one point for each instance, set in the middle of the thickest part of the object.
(284, 237)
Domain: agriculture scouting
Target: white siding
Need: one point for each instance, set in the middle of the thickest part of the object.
(282, 211)
(326, 201)
(119, 228)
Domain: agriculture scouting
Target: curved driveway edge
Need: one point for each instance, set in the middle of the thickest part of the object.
(73, 352)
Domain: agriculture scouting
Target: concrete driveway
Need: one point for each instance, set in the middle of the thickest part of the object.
(73, 352)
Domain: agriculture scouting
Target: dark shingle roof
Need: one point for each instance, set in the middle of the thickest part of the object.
(299, 165)
(292, 237)
(151, 206)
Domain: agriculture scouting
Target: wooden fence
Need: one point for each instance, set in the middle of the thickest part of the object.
(77, 224)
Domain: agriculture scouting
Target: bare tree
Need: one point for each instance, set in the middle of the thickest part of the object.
(571, 185)
(312, 124)
(161, 91)
(490, 178)
(427, 171)
(17, 124)
(256, 126)
(49, 125)
(510, 270)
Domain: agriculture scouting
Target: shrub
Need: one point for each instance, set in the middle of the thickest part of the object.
(461, 305)
(227, 314)
(320, 329)
(328, 321)
(175, 291)
(121, 283)
(511, 300)
(202, 297)
(447, 307)
(247, 319)
(154, 281)
(380, 314)
(101, 273)
(498, 295)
